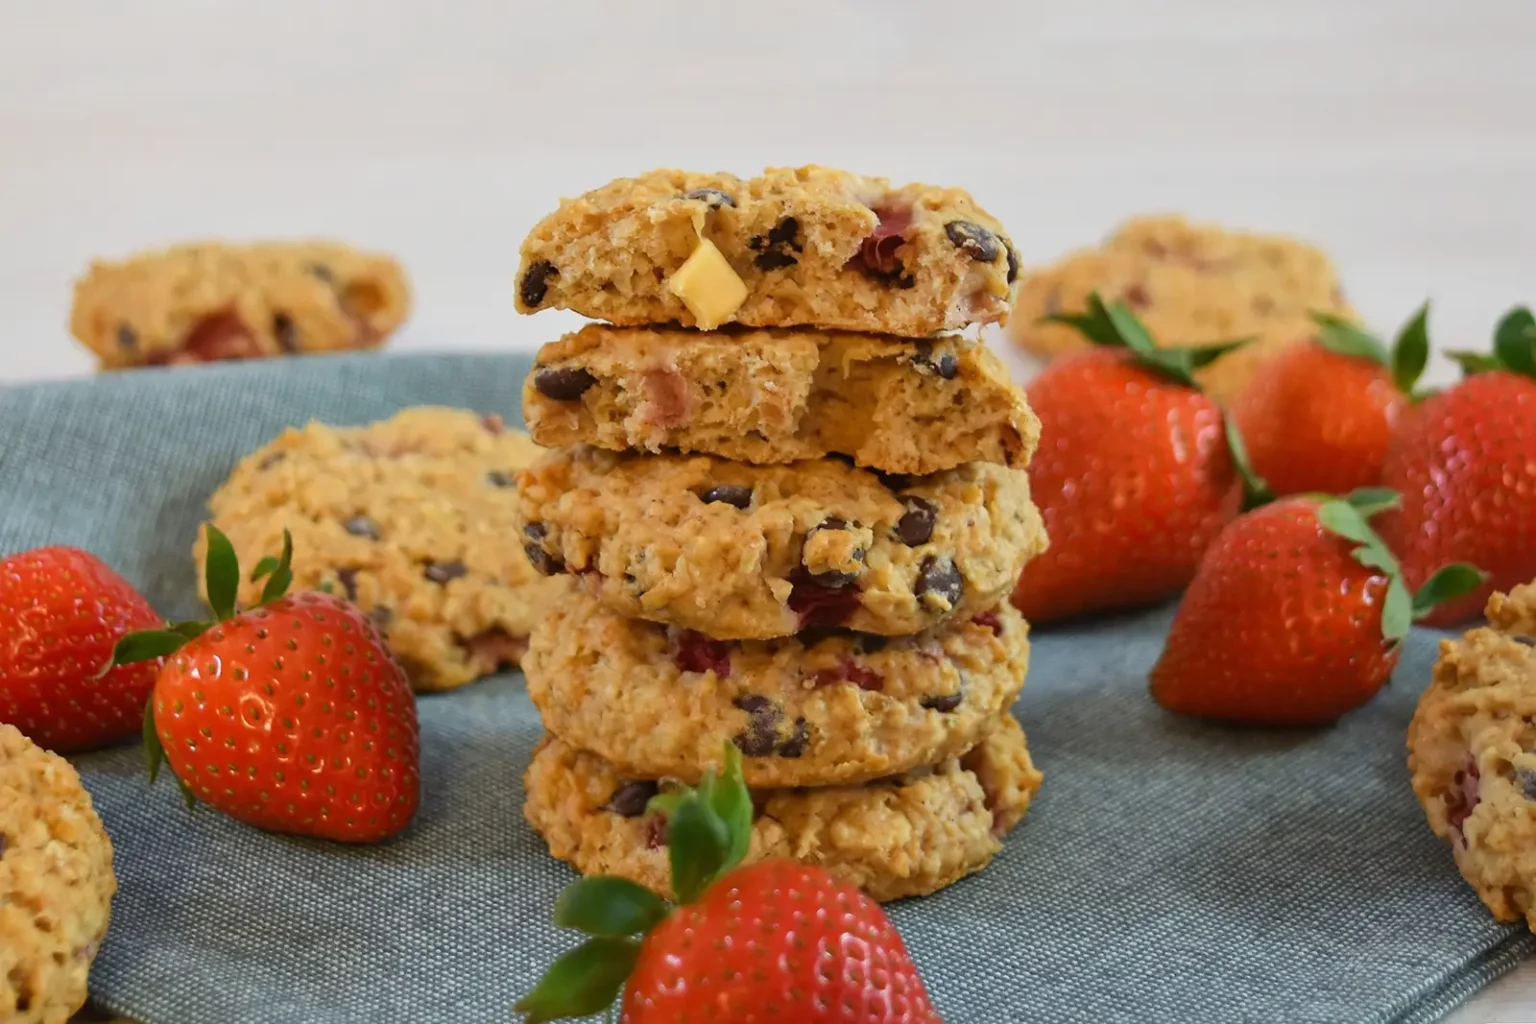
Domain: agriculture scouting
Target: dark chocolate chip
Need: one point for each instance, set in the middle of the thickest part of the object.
(127, 340)
(798, 740)
(869, 643)
(542, 560)
(940, 579)
(630, 799)
(773, 259)
(761, 736)
(753, 703)
(784, 232)
(321, 271)
(713, 196)
(776, 251)
(442, 572)
(536, 531)
(1527, 779)
(535, 283)
(916, 524)
(348, 580)
(731, 494)
(1013, 263)
(382, 616)
(894, 481)
(974, 240)
(563, 383)
(834, 580)
(497, 478)
(362, 526)
(945, 703)
(944, 364)
(285, 332)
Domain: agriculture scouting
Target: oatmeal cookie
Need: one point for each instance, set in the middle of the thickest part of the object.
(1472, 753)
(412, 518)
(904, 835)
(826, 707)
(751, 552)
(1191, 284)
(775, 396)
(210, 301)
(808, 246)
(56, 883)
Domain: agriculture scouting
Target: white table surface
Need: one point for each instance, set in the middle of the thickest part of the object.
(1396, 133)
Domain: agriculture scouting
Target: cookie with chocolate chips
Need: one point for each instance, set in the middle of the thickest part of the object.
(1472, 754)
(904, 835)
(209, 301)
(778, 396)
(1191, 284)
(56, 883)
(808, 246)
(829, 706)
(738, 551)
(413, 518)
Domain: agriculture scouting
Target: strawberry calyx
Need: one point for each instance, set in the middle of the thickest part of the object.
(709, 830)
(1349, 517)
(1405, 359)
(1514, 347)
(221, 573)
(1113, 325)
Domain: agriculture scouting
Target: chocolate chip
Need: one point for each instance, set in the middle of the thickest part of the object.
(916, 524)
(563, 383)
(798, 740)
(869, 643)
(784, 233)
(127, 340)
(630, 799)
(536, 531)
(834, 580)
(348, 580)
(713, 196)
(285, 332)
(535, 283)
(974, 240)
(362, 526)
(321, 271)
(540, 559)
(944, 703)
(894, 481)
(731, 494)
(382, 616)
(775, 251)
(497, 478)
(1013, 263)
(761, 736)
(945, 365)
(1527, 779)
(773, 259)
(442, 572)
(818, 605)
(940, 579)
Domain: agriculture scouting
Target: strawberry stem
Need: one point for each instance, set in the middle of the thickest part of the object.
(1115, 326)
(1407, 358)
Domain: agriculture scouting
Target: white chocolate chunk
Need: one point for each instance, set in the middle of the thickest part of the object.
(708, 286)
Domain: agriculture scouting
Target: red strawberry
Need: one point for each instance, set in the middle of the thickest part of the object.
(293, 716)
(1319, 415)
(775, 941)
(1465, 463)
(1135, 474)
(1295, 616)
(62, 610)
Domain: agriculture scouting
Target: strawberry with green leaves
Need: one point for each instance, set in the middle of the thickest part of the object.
(1296, 615)
(1464, 461)
(1136, 473)
(292, 716)
(62, 610)
(774, 941)
(1319, 416)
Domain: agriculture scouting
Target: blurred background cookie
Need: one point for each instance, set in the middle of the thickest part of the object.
(208, 301)
(1191, 284)
(412, 518)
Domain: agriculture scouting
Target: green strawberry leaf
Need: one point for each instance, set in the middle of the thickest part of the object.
(1410, 352)
(1396, 610)
(187, 796)
(608, 907)
(1514, 341)
(146, 645)
(222, 574)
(730, 800)
(1377, 557)
(1093, 323)
(281, 574)
(263, 568)
(1346, 520)
(1255, 488)
(1131, 332)
(581, 982)
(665, 803)
(697, 842)
(1447, 584)
(154, 753)
(1474, 362)
(1336, 334)
(1201, 356)
(1372, 501)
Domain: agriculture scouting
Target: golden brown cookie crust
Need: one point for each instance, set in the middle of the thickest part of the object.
(812, 711)
(1191, 284)
(414, 519)
(778, 396)
(908, 835)
(1472, 754)
(737, 551)
(793, 236)
(209, 300)
(56, 883)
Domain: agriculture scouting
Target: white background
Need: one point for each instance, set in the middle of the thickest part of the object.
(1397, 133)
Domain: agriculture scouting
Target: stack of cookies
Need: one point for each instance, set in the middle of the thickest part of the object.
(794, 497)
